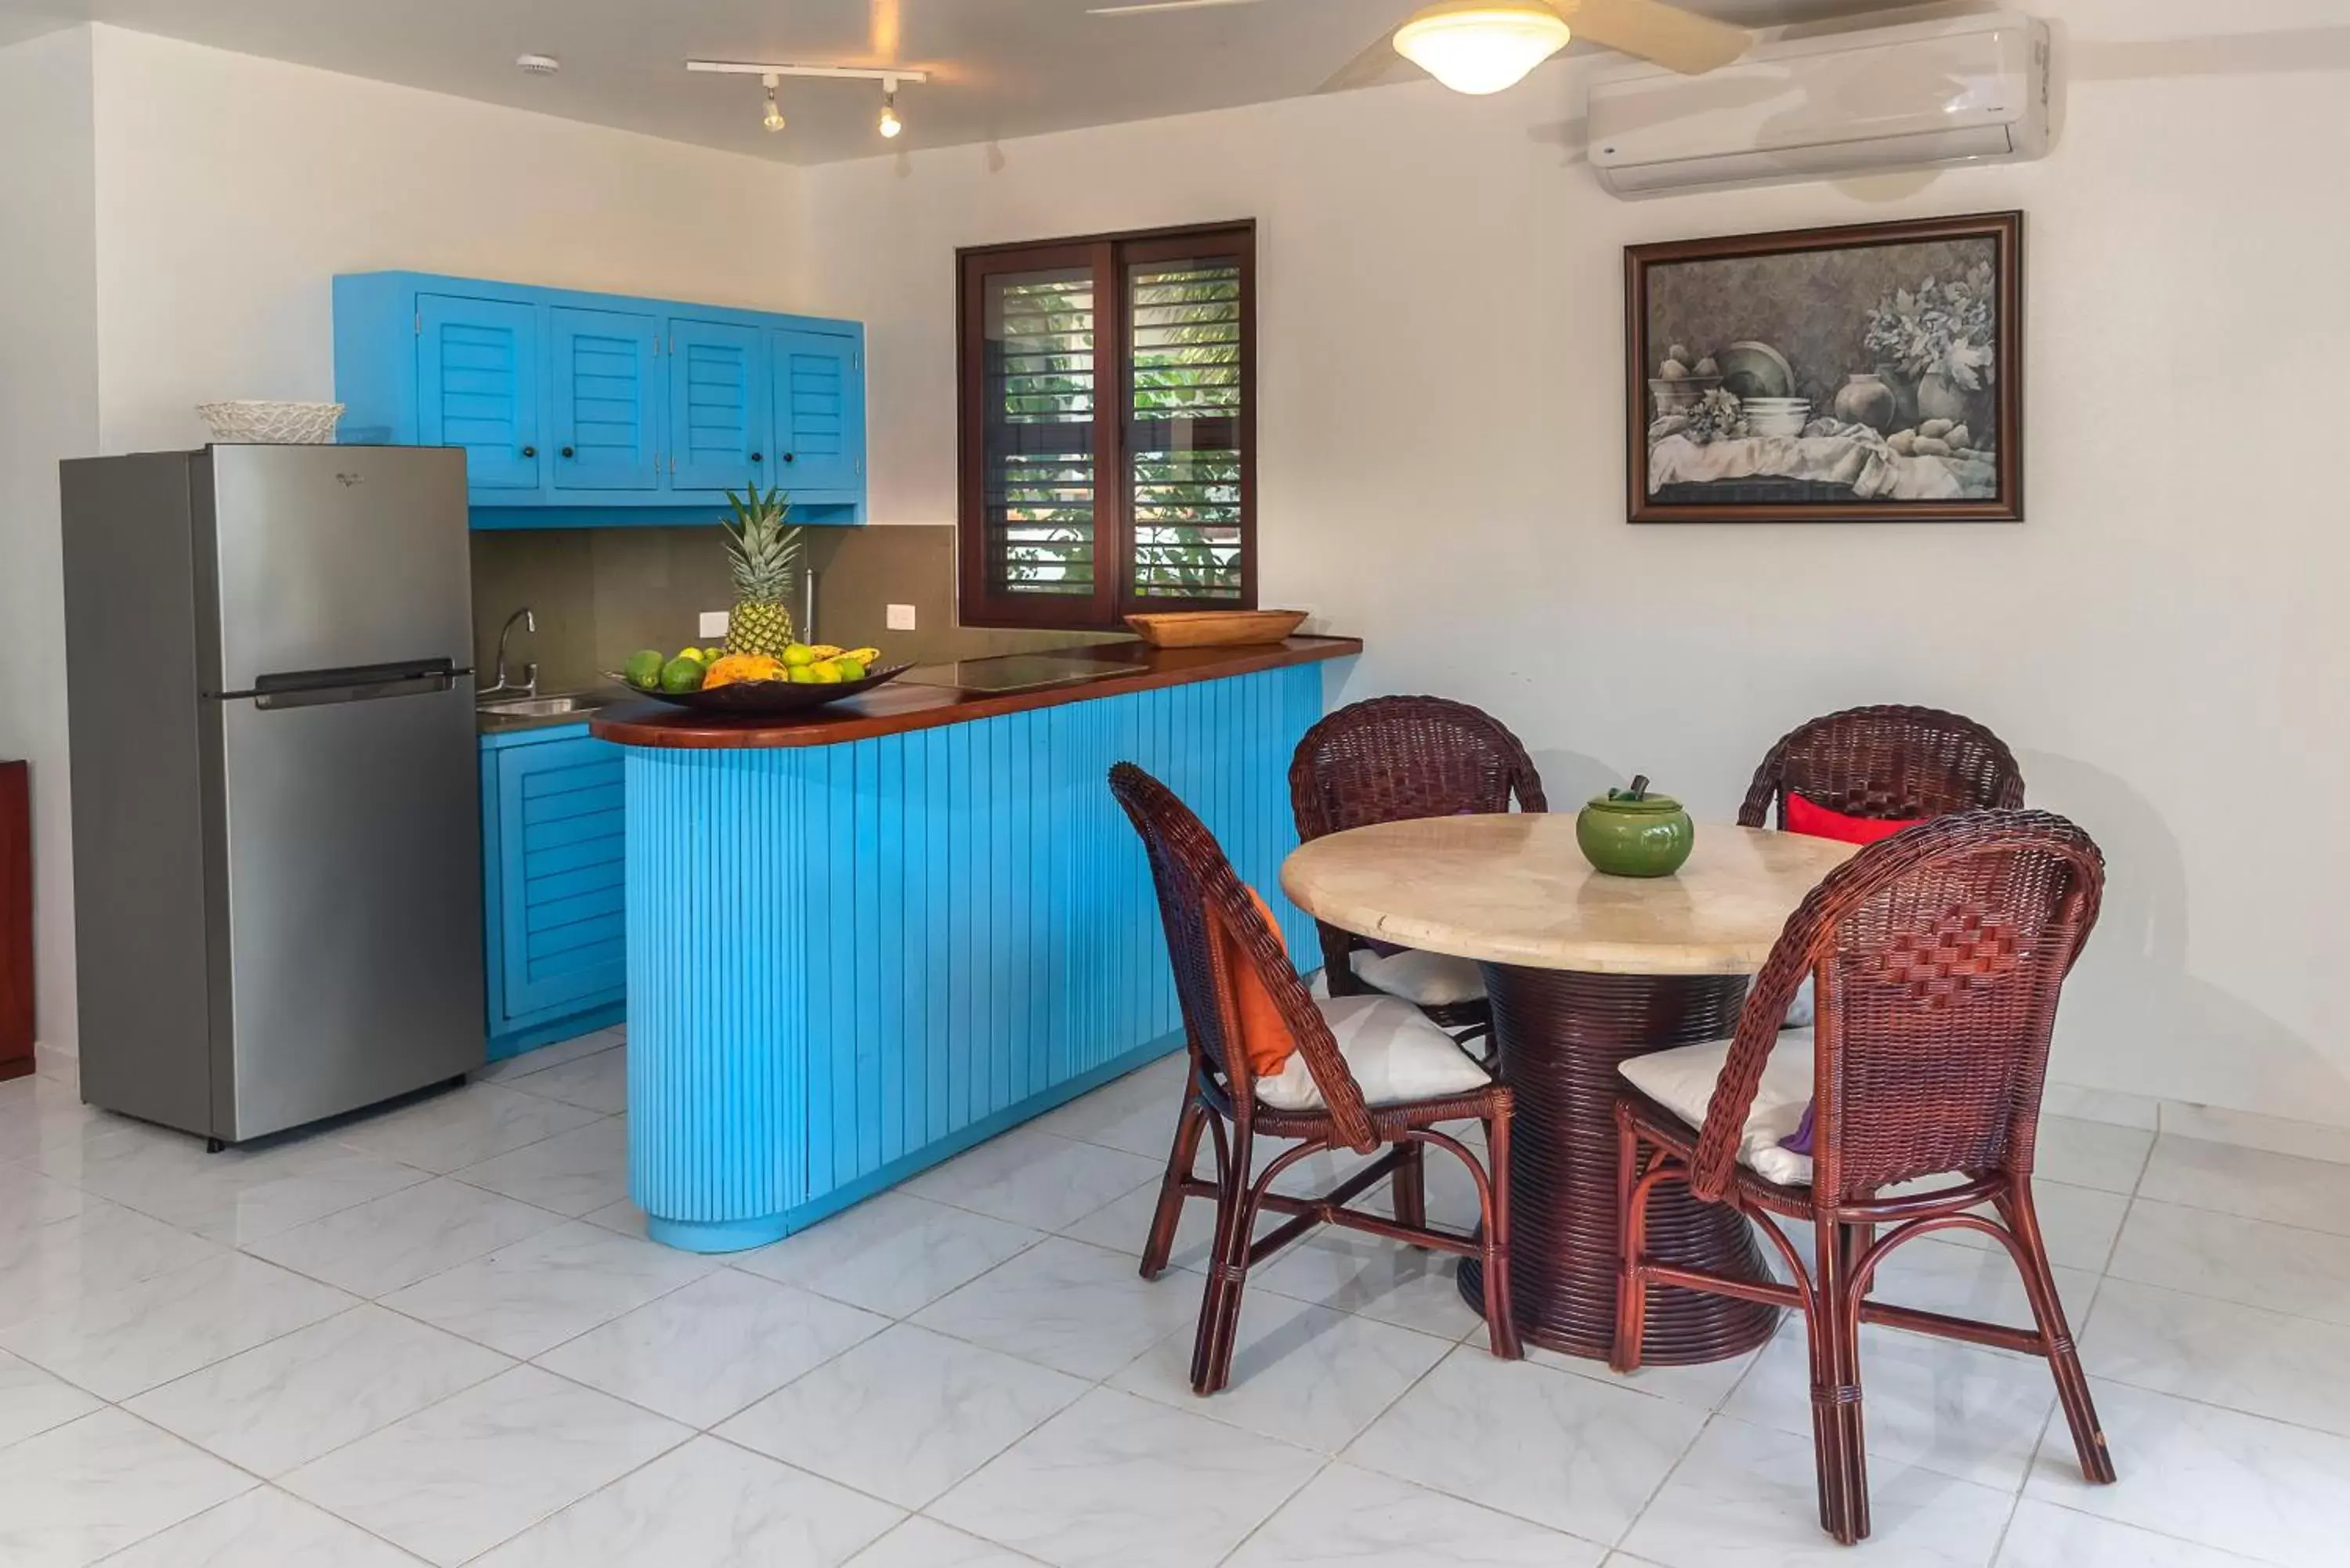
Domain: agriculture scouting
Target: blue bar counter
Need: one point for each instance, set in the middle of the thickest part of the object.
(862, 939)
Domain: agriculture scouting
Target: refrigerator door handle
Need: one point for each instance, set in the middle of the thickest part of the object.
(314, 687)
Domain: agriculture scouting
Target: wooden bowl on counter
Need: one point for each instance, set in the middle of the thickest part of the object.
(1214, 629)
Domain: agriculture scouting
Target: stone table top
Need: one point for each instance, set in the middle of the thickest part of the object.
(1515, 889)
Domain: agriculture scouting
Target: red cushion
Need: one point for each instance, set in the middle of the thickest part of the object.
(1819, 822)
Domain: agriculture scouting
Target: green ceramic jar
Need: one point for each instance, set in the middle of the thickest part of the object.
(1632, 833)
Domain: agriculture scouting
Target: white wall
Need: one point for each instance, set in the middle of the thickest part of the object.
(1440, 470)
(48, 410)
(231, 188)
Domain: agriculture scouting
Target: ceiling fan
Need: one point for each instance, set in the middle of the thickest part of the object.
(1485, 46)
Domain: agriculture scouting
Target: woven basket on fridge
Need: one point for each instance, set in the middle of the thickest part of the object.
(272, 423)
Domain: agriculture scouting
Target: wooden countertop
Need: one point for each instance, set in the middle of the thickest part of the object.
(903, 705)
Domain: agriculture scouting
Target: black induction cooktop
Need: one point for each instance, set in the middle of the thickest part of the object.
(1018, 672)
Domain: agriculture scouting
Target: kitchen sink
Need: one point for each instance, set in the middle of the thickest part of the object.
(544, 707)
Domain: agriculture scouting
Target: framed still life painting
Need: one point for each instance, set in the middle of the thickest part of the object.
(1865, 374)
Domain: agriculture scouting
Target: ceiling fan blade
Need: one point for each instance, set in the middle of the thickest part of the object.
(1682, 40)
(1144, 7)
(1369, 68)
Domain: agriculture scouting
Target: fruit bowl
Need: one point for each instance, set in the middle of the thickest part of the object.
(767, 696)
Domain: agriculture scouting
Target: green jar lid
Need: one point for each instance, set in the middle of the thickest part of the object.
(1639, 799)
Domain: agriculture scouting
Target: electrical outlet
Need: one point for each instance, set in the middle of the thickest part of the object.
(900, 617)
(713, 624)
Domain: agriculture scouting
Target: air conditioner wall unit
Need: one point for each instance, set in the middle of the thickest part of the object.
(1968, 89)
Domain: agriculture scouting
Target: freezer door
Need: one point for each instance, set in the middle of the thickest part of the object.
(353, 869)
(333, 557)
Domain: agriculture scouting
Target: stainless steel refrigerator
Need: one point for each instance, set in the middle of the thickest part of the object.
(276, 807)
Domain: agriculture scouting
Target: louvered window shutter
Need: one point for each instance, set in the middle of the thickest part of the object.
(1107, 442)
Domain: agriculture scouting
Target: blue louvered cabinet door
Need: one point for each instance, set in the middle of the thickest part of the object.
(819, 395)
(719, 421)
(561, 859)
(606, 416)
(477, 373)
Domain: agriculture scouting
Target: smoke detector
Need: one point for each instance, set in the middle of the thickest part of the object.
(538, 65)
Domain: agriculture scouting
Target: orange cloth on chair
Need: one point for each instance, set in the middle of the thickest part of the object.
(1266, 1040)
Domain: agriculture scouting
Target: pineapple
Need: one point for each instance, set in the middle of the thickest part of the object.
(766, 559)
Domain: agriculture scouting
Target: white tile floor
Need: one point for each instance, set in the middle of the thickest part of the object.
(435, 1334)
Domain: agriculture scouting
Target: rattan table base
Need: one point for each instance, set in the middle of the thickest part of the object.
(1561, 1034)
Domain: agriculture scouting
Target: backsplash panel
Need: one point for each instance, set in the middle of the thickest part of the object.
(599, 593)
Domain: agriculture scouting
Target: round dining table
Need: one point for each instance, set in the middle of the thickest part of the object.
(1585, 971)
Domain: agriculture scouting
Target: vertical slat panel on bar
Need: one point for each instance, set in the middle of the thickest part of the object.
(964, 1004)
(872, 898)
(852, 1139)
(1017, 982)
(826, 1152)
(1042, 965)
(715, 1099)
(1002, 1072)
(907, 942)
(847, 962)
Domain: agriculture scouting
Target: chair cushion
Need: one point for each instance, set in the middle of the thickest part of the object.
(1819, 822)
(1424, 979)
(1682, 1082)
(1264, 1038)
(1394, 1051)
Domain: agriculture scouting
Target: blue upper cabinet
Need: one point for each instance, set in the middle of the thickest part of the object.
(477, 387)
(819, 395)
(719, 417)
(583, 409)
(601, 391)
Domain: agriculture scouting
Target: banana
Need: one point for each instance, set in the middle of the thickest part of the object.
(827, 650)
(868, 657)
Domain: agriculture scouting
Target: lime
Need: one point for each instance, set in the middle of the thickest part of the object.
(825, 672)
(682, 674)
(801, 675)
(850, 669)
(796, 654)
(693, 653)
(643, 668)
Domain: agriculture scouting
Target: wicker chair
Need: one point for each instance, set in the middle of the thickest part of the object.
(1885, 763)
(1391, 759)
(1198, 890)
(1939, 954)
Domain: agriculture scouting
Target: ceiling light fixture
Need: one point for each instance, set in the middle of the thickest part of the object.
(538, 65)
(1481, 45)
(770, 76)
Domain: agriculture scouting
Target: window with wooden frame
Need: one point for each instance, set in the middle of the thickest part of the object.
(1109, 460)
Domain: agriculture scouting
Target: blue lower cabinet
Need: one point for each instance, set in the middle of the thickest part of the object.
(553, 860)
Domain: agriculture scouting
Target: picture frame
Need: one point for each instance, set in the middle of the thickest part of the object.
(1816, 361)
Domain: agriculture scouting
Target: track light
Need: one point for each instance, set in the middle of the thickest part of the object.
(771, 74)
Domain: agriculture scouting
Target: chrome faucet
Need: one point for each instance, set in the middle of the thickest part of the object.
(529, 686)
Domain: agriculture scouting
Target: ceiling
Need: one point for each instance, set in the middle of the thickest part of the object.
(1004, 67)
